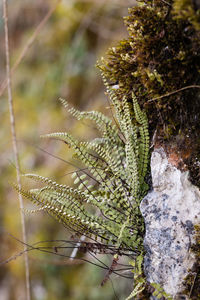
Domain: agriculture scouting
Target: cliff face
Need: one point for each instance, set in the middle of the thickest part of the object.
(160, 63)
(171, 211)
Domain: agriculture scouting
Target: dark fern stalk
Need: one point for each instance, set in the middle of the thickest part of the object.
(106, 208)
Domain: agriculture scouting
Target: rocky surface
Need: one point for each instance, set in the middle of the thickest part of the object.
(170, 211)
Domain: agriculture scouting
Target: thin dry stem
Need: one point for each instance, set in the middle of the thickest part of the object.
(174, 92)
(14, 142)
(28, 45)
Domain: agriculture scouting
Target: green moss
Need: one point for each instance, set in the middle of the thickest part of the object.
(160, 56)
(187, 10)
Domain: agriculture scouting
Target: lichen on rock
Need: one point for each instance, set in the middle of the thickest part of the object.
(171, 211)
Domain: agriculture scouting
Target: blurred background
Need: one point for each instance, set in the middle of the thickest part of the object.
(59, 62)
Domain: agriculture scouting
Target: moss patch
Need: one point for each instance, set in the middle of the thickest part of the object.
(162, 55)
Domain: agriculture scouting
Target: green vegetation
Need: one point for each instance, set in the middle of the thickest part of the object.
(60, 63)
(105, 205)
(161, 56)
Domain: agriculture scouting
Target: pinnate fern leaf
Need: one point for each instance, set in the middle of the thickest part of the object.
(104, 203)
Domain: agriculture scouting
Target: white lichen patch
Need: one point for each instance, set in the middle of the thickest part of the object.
(170, 212)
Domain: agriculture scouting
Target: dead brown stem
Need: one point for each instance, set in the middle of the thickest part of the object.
(14, 142)
(174, 92)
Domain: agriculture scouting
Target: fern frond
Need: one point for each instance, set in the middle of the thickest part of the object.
(103, 123)
(141, 118)
(104, 203)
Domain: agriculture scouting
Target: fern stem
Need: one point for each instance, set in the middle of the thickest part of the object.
(15, 148)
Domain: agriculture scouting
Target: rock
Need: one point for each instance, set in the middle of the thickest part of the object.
(170, 212)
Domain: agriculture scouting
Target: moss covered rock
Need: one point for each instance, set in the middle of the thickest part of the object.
(161, 57)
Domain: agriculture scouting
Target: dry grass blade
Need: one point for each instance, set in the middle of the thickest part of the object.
(14, 142)
(174, 92)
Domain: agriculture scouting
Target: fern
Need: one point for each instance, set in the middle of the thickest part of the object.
(159, 292)
(140, 284)
(139, 280)
(104, 204)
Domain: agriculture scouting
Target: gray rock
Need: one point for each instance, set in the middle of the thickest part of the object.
(170, 212)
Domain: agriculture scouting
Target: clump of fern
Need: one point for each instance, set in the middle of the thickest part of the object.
(104, 203)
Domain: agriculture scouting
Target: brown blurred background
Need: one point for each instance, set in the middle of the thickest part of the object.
(59, 63)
